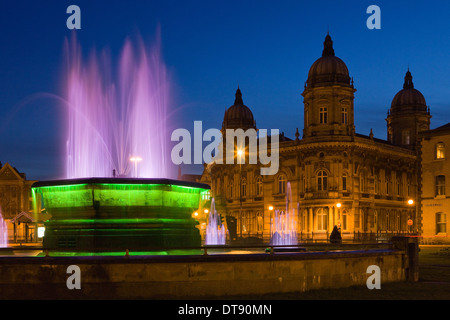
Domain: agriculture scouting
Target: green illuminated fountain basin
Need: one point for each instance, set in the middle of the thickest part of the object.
(115, 214)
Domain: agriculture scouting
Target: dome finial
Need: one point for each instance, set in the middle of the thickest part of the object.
(408, 80)
(238, 101)
(328, 46)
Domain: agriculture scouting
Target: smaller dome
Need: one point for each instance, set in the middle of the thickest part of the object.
(328, 69)
(238, 115)
(409, 98)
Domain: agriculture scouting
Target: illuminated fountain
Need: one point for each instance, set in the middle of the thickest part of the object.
(116, 149)
(3, 232)
(284, 223)
(215, 231)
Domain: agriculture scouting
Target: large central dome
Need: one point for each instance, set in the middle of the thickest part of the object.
(329, 69)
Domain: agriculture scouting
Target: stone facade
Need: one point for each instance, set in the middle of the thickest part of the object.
(336, 176)
(15, 198)
(435, 174)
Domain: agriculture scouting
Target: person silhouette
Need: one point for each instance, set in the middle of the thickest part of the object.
(335, 236)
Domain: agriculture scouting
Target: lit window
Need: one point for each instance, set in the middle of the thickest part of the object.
(322, 219)
(344, 115)
(344, 220)
(322, 181)
(281, 184)
(441, 222)
(323, 115)
(440, 185)
(440, 151)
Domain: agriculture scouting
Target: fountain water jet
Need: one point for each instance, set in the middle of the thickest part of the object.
(3, 232)
(215, 230)
(113, 120)
(116, 148)
(284, 223)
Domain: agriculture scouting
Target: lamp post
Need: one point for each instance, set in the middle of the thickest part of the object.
(270, 219)
(135, 160)
(410, 221)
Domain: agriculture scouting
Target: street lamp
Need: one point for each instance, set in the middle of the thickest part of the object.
(135, 160)
(410, 221)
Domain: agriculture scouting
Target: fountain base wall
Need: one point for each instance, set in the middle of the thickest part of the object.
(188, 277)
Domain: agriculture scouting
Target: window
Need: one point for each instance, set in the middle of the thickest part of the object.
(363, 182)
(441, 222)
(281, 184)
(344, 183)
(440, 185)
(230, 189)
(323, 115)
(388, 186)
(406, 137)
(440, 150)
(259, 187)
(244, 187)
(344, 116)
(399, 187)
(322, 219)
(344, 225)
(322, 181)
(376, 185)
(259, 222)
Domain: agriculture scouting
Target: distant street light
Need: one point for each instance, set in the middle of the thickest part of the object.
(410, 202)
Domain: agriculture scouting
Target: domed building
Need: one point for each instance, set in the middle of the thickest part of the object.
(408, 115)
(238, 115)
(336, 177)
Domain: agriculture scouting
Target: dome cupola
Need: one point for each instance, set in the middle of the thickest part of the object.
(238, 116)
(328, 69)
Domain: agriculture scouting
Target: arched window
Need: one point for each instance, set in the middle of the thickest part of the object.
(322, 219)
(322, 180)
(259, 222)
(230, 190)
(281, 183)
(259, 186)
(244, 187)
(440, 150)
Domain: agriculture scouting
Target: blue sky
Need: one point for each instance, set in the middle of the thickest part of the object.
(210, 47)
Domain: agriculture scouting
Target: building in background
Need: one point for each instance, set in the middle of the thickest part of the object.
(338, 177)
(17, 205)
(435, 177)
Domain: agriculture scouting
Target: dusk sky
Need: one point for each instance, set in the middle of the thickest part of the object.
(211, 47)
